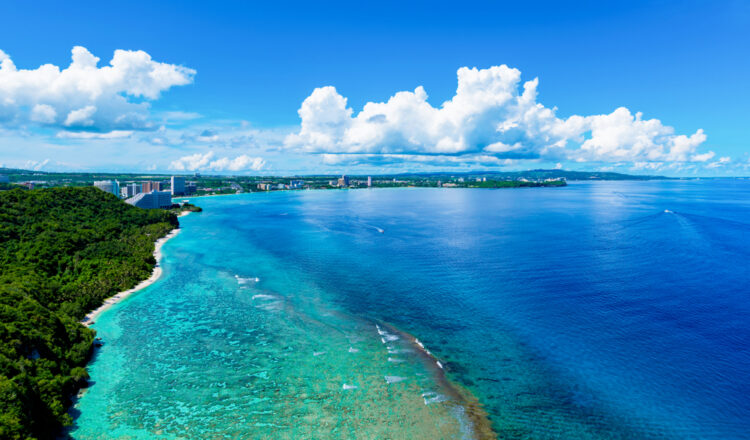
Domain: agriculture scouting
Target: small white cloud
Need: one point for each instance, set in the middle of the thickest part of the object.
(193, 162)
(114, 134)
(179, 116)
(35, 165)
(44, 114)
(705, 157)
(647, 165)
(206, 161)
(81, 117)
(239, 163)
(719, 163)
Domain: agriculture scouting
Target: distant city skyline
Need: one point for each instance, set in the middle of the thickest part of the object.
(225, 88)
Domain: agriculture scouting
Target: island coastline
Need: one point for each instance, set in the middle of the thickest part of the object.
(90, 317)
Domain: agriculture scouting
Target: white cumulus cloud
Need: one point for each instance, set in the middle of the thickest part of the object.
(34, 164)
(84, 95)
(44, 114)
(81, 117)
(493, 114)
(114, 134)
(705, 157)
(208, 162)
(719, 163)
(421, 159)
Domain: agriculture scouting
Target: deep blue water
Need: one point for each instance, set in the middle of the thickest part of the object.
(598, 310)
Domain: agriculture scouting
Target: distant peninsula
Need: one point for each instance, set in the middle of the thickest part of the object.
(197, 184)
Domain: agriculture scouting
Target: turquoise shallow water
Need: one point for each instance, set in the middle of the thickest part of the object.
(599, 310)
(232, 342)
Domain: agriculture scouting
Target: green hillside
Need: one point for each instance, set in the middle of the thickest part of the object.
(62, 252)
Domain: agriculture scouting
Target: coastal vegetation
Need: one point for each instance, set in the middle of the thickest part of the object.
(186, 207)
(62, 252)
(7, 186)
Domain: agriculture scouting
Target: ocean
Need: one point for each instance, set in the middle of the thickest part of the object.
(600, 310)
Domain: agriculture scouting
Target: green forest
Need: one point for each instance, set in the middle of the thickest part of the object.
(62, 252)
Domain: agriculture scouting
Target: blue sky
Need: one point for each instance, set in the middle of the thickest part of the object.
(233, 99)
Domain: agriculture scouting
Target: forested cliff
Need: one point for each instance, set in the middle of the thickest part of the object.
(62, 252)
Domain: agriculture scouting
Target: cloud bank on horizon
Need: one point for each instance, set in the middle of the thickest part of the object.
(207, 161)
(491, 120)
(494, 119)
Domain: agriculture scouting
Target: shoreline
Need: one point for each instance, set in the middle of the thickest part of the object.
(398, 187)
(90, 317)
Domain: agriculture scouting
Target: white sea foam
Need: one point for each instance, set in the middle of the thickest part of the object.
(270, 306)
(381, 230)
(394, 379)
(263, 300)
(439, 364)
(241, 280)
(349, 387)
(421, 345)
(385, 335)
(433, 397)
(467, 431)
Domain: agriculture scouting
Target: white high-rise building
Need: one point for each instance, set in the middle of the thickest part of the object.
(110, 186)
(151, 200)
(369, 181)
(104, 185)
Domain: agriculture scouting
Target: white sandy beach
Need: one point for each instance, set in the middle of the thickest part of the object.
(155, 275)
